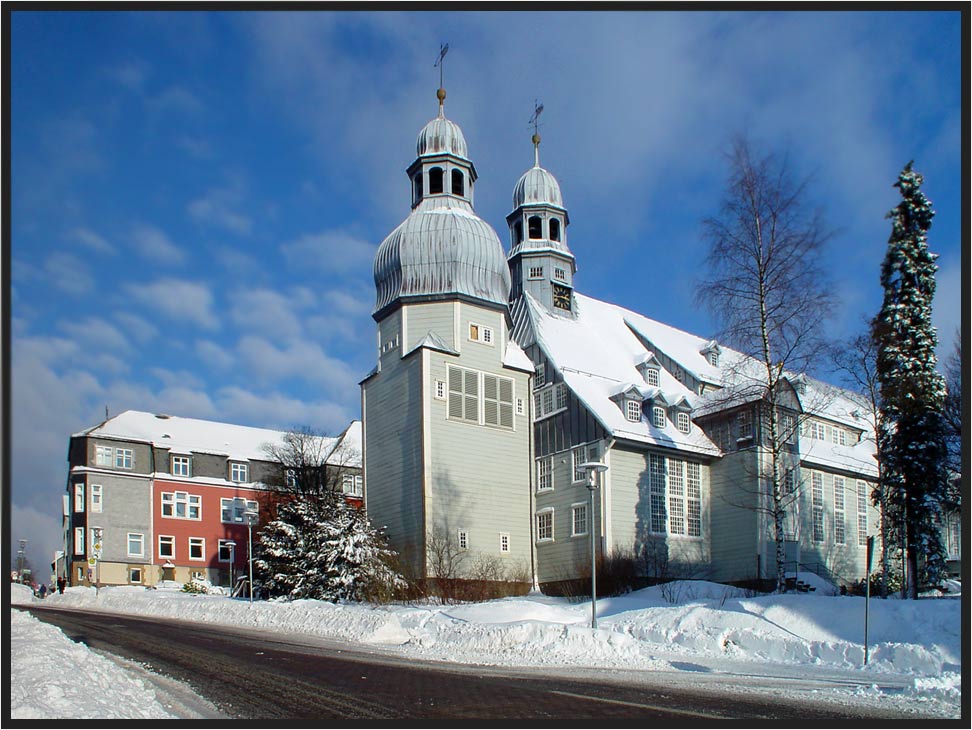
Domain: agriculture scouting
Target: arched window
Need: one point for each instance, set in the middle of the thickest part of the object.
(435, 180)
(554, 229)
(417, 187)
(534, 227)
(517, 232)
(458, 183)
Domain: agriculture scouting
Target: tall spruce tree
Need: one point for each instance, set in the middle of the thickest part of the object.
(912, 432)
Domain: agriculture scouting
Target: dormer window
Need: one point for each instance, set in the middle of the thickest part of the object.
(682, 422)
(554, 229)
(632, 410)
(435, 181)
(651, 376)
(535, 227)
(458, 183)
(658, 416)
(713, 357)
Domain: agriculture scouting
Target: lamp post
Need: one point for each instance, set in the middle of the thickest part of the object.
(251, 517)
(593, 468)
(231, 544)
(20, 561)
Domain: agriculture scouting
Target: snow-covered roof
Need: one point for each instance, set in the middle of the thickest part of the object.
(185, 435)
(597, 354)
(515, 358)
(856, 458)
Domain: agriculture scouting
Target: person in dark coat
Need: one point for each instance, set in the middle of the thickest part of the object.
(60, 585)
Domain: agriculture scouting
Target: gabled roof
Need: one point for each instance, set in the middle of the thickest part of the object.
(185, 435)
(597, 353)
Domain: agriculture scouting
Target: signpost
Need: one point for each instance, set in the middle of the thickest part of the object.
(96, 557)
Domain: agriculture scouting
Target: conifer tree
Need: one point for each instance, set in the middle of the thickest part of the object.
(912, 434)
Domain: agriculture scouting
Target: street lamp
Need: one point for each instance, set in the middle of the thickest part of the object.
(251, 518)
(20, 561)
(593, 468)
(231, 544)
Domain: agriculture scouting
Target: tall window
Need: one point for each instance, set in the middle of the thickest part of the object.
(97, 501)
(545, 527)
(197, 548)
(123, 458)
(693, 498)
(839, 526)
(541, 377)
(417, 187)
(544, 473)
(862, 513)
(676, 497)
(578, 519)
(462, 538)
(458, 183)
(787, 427)
(104, 456)
(535, 227)
(180, 466)
(518, 232)
(166, 546)
(504, 542)
(435, 180)
(136, 545)
(817, 503)
(463, 395)
(79, 497)
(584, 453)
(239, 472)
(554, 229)
(744, 422)
(79, 541)
(656, 489)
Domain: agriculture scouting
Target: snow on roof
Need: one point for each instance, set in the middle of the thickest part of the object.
(185, 435)
(597, 354)
(858, 458)
(515, 358)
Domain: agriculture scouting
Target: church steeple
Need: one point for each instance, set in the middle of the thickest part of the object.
(540, 261)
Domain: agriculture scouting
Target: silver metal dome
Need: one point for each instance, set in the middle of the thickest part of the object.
(537, 186)
(441, 135)
(442, 248)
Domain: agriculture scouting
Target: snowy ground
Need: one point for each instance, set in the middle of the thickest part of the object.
(693, 627)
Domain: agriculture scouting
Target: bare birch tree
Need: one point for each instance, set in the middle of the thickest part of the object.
(767, 292)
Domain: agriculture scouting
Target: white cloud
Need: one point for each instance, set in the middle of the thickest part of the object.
(214, 355)
(300, 360)
(267, 313)
(94, 333)
(329, 251)
(183, 301)
(135, 327)
(68, 273)
(280, 411)
(220, 207)
(153, 244)
(93, 241)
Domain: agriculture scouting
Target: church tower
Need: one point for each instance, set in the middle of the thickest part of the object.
(540, 261)
(447, 463)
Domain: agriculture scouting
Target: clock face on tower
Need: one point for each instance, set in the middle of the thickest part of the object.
(561, 297)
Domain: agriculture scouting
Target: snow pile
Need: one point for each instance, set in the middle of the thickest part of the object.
(55, 677)
(915, 646)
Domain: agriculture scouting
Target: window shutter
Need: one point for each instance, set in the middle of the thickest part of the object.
(506, 403)
(471, 389)
(490, 399)
(455, 393)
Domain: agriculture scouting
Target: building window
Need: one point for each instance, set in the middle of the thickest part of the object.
(744, 424)
(554, 229)
(840, 536)
(584, 453)
(549, 400)
(693, 498)
(658, 416)
(544, 473)
(534, 227)
(197, 548)
(239, 472)
(232, 509)
(123, 458)
(79, 497)
(632, 409)
(504, 544)
(789, 482)
(713, 357)
(862, 513)
(440, 390)
(682, 422)
(435, 180)
(462, 539)
(134, 575)
(578, 520)
(458, 183)
(787, 427)
(167, 546)
(480, 333)
(817, 503)
(520, 407)
(497, 401)
(352, 484)
(104, 456)
(180, 466)
(838, 435)
(79, 541)
(545, 525)
(651, 376)
(136, 545)
(518, 233)
(97, 500)
(417, 188)
(816, 430)
(560, 274)
(656, 491)
(224, 551)
(463, 394)
(181, 505)
(540, 379)
(676, 497)
(472, 393)
(536, 272)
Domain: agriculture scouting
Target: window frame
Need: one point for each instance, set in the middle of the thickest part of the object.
(652, 376)
(483, 334)
(185, 465)
(680, 417)
(659, 417)
(862, 500)
(817, 506)
(173, 500)
(97, 498)
(167, 540)
(79, 545)
(632, 410)
(200, 543)
(504, 543)
(462, 538)
(591, 452)
(239, 467)
(138, 537)
(124, 458)
(534, 273)
(221, 546)
(544, 520)
(545, 474)
(135, 575)
(232, 504)
(104, 455)
(840, 504)
(577, 509)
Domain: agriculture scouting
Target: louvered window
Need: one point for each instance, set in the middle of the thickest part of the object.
(469, 388)
(463, 395)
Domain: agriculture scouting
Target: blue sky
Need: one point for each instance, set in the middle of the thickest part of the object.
(197, 197)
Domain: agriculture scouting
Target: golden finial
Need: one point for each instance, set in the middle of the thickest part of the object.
(441, 93)
(535, 121)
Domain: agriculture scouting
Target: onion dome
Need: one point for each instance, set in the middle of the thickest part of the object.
(537, 186)
(440, 136)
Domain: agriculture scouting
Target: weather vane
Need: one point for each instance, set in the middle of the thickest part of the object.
(535, 119)
(443, 50)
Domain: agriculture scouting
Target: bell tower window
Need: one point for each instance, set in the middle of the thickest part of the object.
(554, 229)
(535, 227)
(458, 183)
(518, 232)
(417, 187)
(435, 180)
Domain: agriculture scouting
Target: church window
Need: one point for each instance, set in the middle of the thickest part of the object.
(545, 527)
(840, 535)
(682, 422)
(417, 187)
(744, 422)
(463, 539)
(817, 503)
(517, 233)
(651, 376)
(658, 417)
(458, 183)
(541, 377)
(545, 473)
(578, 519)
(560, 274)
(713, 358)
(481, 398)
(536, 272)
(480, 333)
(440, 391)
(435, 180)
(554, 229)
(504, 542)
(582, 454)
(520, 407)
(656, 487)
(862, 513)
(535, 227)
(560, 391)
(633, 410)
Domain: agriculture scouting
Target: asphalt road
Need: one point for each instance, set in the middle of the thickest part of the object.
(259, 675)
